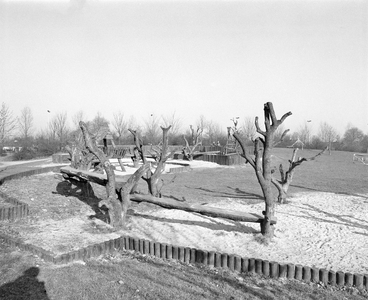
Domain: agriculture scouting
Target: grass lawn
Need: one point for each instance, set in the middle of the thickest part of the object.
(130, 276)
(334, 173)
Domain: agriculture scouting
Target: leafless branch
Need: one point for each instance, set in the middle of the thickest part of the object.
(285, 116)
(244, 153)
(282, 137)
(258, 129)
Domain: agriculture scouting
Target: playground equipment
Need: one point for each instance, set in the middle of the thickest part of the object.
(298, 143)
(363, 158)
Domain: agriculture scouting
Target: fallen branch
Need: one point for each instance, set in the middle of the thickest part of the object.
(203, 210)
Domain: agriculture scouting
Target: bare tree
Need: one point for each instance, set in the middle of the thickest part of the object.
(280, 134)
(117, 208)
(214, 132)
(202, 125)
(153, 178)
(286, 178)
(196, 141)
(249, 129)
(304, 133)
(120, 125)
(261, 162)
(152, 130)
(76, 145)
(327, 134)
(133, 123)
(25, 123)
(173, 121)
(79, 116)
(99, 126)
(59, 128)
(7, 124)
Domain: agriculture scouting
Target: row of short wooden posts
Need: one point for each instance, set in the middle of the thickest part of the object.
(226, 261)
(13, 213)
(188, 255)
(246, 265)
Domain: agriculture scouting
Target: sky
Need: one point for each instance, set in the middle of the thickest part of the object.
(219, 59)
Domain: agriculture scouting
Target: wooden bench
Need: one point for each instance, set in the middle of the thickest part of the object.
(101, 179)
(119, 152)
(113, 152)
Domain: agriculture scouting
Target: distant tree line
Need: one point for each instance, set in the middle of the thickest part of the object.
(19, 132)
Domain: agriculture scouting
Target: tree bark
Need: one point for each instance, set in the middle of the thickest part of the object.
(198, 208)
(189, 150)
(126, 196)
(112, 203)
(126, 189)
(79, 158)
(261, 162)
(138, 152)
(154, 179)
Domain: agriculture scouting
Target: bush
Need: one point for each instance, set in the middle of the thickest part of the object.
(25, 154)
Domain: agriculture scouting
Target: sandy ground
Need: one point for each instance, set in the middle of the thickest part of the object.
(316, 229)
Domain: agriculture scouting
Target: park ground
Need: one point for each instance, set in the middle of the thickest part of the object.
(129, 276)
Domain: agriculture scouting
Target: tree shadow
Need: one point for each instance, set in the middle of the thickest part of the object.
(213, 224)
(236, 193)
(329, 191)
(339, 219)
(307, 188)
(351, 194)
(243, 194)
(182, 199)
(86, 195)
(25, 287)
(361, 233)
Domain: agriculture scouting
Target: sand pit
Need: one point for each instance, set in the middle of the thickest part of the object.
(316, 229)
(325, 230)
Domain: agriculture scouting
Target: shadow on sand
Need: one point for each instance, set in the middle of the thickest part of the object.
(212, 224)
(249, 198)
(68, 189)
(328, 217)
(328, 191)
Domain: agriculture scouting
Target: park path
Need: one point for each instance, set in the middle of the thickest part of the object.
(8, 168)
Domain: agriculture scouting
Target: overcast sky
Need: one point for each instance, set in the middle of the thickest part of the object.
(222, 59)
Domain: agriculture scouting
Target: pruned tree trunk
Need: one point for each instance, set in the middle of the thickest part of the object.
(75, 155)
(80, 157)
(189, 150)
(112, 203)
(163, 156)
(125, 191)
(262, 162)
(153, 178)
(286, 178)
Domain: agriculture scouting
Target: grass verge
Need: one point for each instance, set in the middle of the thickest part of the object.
(129, 276)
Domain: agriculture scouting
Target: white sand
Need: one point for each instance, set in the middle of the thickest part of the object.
(315, 229)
